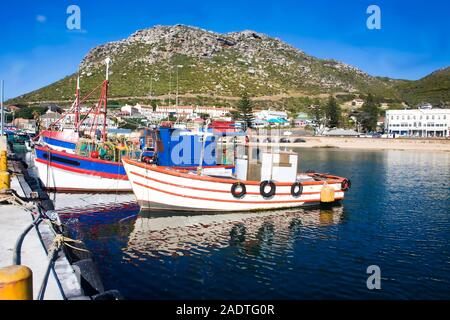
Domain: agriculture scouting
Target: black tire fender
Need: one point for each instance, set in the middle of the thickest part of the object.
(238, 194)
(346, 184)
(271, 192)
(298, 193)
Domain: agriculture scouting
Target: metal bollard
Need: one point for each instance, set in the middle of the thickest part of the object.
(5, 180)
(16, 283)
(3, 161)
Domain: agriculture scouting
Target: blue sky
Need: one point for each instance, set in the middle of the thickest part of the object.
(414, 40)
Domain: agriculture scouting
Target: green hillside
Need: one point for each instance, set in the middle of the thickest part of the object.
(219, 67)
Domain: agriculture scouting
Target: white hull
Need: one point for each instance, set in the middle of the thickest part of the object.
(67, 181)
(158, 188)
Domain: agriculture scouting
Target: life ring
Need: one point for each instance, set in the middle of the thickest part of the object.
(235, 190)
(271, 192)
(346, 184)
(295, 186)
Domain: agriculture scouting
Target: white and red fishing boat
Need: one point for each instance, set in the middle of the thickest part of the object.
(270, 183)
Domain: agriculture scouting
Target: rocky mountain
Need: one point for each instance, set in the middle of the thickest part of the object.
(434, 88)
(209, 64)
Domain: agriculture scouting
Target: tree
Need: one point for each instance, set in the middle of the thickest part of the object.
(292, 113)
(317, 112)
(244, 111)
(332, 112)
(154, 105)
(368, 116)
(30, 112)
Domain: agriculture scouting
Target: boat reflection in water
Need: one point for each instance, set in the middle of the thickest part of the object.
(162, 234)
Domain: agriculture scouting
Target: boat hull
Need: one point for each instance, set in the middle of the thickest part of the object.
(63, 172)
(165, 188)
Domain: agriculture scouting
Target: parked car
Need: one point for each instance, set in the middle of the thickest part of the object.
(285, 140)
(298, 140)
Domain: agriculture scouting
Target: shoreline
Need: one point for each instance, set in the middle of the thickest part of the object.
(439, 145)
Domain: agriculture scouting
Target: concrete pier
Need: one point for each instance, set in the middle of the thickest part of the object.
(63, 282)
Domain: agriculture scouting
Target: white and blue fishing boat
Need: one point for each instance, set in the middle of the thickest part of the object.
(67, 162)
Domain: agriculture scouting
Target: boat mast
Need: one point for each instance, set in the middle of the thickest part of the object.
(202, 152)
(77, 102)
(105, 99)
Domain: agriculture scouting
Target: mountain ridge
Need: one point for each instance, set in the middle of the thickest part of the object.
(217, 65)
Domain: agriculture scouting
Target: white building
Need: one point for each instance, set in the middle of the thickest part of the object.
(270, 115)
(422, 122)
(131, 110)
(184, 112)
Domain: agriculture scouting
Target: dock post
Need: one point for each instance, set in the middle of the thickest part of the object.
(16, 283)
(5, 178)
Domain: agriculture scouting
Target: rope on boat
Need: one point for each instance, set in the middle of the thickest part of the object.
(10, 196)
(61, 241)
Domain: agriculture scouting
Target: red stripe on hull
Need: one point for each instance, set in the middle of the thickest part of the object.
(226, 200)
(172, 172)
(82, 171)
(212, 190)
(76, 190)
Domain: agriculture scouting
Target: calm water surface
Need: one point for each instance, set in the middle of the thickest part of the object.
(396, 216)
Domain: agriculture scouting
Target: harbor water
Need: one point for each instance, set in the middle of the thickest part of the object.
(395, 216)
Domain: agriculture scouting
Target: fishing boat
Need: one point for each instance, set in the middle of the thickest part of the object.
(247, 184)
(84, 160)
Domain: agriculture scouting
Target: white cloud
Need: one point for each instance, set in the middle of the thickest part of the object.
(41, 18)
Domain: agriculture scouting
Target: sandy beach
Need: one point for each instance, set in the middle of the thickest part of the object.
(369, 143)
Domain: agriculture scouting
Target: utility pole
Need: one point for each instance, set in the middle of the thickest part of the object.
(151, 87)
(170, 85)
(178, 66)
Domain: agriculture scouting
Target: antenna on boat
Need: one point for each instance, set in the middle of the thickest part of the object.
(202, 152)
